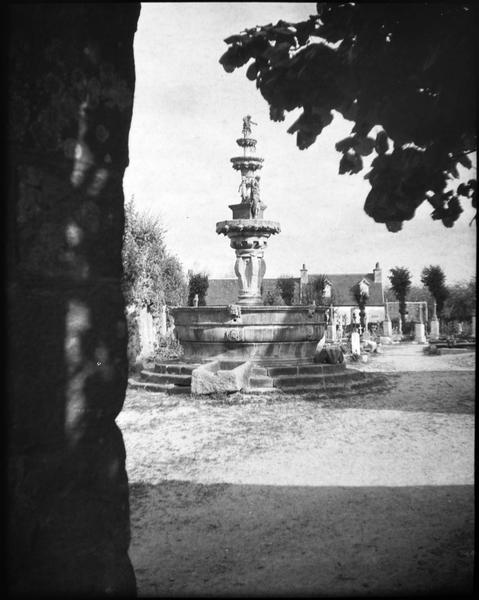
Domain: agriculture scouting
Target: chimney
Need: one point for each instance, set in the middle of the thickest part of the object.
(377, 274)
(304, 275)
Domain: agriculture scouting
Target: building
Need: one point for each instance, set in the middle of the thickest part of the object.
(339, 291)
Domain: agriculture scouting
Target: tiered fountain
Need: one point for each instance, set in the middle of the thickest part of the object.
(248, 330)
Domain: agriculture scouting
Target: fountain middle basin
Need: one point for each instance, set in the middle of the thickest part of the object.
(245, 332)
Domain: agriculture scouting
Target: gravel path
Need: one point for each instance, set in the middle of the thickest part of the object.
(248, 494)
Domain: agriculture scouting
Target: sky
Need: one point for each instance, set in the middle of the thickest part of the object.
(187, 115)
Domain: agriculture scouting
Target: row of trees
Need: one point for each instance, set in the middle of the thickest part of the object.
(457, 302)
(285, 291)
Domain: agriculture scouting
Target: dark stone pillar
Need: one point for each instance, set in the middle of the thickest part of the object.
(71, 81)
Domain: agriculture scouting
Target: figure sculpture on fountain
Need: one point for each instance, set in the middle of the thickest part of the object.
(247, 122)
(255, 199)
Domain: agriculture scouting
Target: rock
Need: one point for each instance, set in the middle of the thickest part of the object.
(211, 379)
(331, 356)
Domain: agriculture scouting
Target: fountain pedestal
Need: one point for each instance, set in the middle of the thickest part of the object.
(248, 238)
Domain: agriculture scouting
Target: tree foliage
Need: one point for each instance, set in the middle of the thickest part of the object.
(152, 277)
(400, 279)
(406, 68)
(460, 304)
(198, 284)
(272, 298)
(286, 287)
(314, 291)
(416, 293)
(434, 279)
(361, 298)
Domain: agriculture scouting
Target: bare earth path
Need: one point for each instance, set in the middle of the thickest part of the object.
(308, 495)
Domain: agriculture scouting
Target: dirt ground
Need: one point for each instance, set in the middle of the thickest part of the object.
(308, 495)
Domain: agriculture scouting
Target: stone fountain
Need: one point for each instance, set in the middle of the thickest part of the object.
(247, 330)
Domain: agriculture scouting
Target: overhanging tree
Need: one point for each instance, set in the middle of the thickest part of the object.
(286, 287)
(434, 279)
(400, 279)
(407, 68)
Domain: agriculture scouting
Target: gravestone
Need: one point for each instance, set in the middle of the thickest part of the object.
(419, 330)
(355, 343)
(434, 334)
(147, 331)
(162, 327)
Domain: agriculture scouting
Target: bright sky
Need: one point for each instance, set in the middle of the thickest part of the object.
(187, 115)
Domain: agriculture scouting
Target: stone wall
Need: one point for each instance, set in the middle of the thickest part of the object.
(71, 83)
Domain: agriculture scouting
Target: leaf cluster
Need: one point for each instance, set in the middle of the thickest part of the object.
(198, 283)
(286, 287)
(433, 279)
(460, 304)
(314, 291)
(405, 68)
(400, 280)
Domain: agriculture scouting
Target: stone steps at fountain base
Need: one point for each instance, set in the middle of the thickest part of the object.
(164, 388)
(310, 377)
(179, 379)
(348, 387)
(299, 375)
(344, 388)
(175, 378)
(168, 377)
(306, 370)
(175, 367)
(326, 380)
(260, 382)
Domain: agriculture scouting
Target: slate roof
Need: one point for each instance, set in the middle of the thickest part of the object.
(342, 286)
(222, 291)
(225, 291)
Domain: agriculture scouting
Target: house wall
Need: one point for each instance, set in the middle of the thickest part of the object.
(374, 314)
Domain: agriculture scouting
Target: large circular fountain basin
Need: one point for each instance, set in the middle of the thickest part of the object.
(272, 332)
